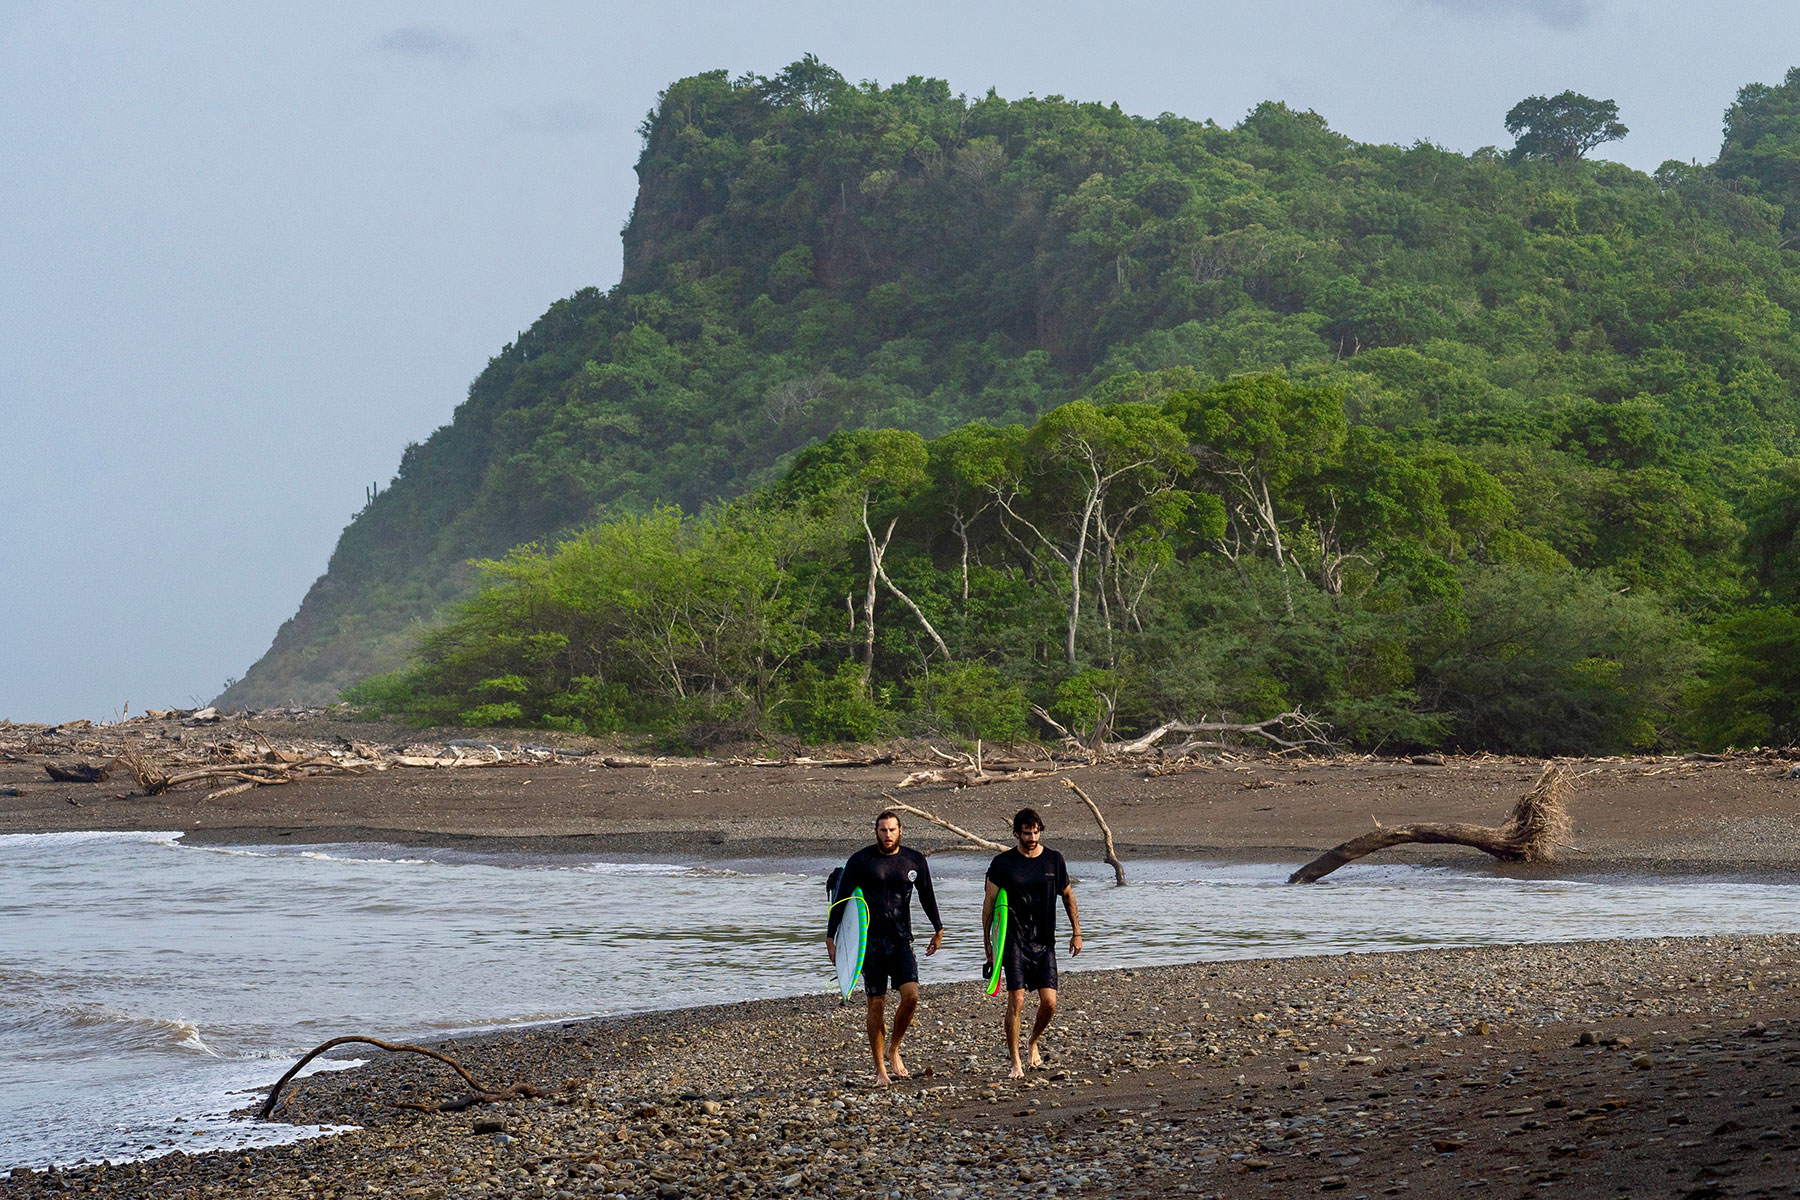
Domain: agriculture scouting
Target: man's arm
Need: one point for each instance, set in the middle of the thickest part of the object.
(1068, 897)
(987, 913)
(928, 901)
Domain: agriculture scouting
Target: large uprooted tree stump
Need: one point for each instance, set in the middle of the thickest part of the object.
(1538, 825)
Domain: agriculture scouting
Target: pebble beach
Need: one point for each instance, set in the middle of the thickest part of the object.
(1658, 1067)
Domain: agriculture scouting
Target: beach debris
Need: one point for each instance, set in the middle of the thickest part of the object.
(1292, 730)
(478, 1093)
(973, 774)
(878, 760)
(1537, 826)
(76, 773)
(1112, 855)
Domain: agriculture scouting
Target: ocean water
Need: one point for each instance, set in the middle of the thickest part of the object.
(148, 987)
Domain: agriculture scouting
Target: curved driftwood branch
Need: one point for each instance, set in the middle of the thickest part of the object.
(1112, 856)
(1538, 824)
(958, 830)
(478, 1093)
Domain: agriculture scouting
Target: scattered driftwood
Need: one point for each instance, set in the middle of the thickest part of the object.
(78, 773)
(971, 775)
(478, 1094)
(1288, 731)
(1305, 731)
(1538, 825)
(1112, 855)
(979, 841)
(878, 760)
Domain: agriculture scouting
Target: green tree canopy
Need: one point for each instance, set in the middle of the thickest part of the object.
(1762, 143)
(1562, 127)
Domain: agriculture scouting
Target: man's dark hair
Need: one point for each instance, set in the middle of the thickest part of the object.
(1024, 819)
(885, 813)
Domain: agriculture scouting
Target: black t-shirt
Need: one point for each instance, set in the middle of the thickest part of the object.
(1033, 888)
(887, 882)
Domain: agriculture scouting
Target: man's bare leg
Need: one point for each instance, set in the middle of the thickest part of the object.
(1015, 1005)
(903, 1015)
(1045, 1010)
(878, 1037)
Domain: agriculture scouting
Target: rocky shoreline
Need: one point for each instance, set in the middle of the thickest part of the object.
(1668, 1067)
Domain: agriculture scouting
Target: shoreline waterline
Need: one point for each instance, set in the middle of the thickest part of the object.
(1290, 1070)
(316, 916)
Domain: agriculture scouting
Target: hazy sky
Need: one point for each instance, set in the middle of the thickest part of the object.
(249, 251)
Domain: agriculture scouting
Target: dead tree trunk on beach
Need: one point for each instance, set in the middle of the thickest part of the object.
(1538, 825)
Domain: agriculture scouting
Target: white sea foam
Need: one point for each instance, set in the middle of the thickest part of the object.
(80, 837)
(652, 869)
(326, 856)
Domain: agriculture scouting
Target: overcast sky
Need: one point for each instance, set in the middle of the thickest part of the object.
(249, 251)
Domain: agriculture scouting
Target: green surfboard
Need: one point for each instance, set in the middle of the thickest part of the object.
(997, 930)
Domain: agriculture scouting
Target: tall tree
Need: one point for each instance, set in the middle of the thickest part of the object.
(1562, 127)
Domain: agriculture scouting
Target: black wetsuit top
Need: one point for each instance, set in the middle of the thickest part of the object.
(887, 882)
(1033, 887)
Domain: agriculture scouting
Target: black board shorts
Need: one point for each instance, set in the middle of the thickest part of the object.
(1028, 967)
(888, 959)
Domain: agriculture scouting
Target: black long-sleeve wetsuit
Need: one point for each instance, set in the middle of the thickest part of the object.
(887, 882)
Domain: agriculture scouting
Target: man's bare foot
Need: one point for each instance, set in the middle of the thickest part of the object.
(882, 1080)
(897, 1069)
(1017, 1071)
(1037, 1060)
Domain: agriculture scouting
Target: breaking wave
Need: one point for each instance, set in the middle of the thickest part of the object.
(97, 1028)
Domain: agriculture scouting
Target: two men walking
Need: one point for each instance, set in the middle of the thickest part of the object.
(1034, 878)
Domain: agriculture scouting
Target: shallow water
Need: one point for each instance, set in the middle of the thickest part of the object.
(146, 984)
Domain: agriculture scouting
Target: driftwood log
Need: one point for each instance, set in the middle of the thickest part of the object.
(478, 1094)
(79, 773)
(1538, 825)
(976, 839)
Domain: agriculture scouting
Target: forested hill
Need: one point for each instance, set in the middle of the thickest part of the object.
(1615, 350)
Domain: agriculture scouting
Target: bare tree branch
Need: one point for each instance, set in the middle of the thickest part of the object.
(958, 830)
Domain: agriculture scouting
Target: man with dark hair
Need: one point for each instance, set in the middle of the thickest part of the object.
(1034, 878)
(887, 873)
